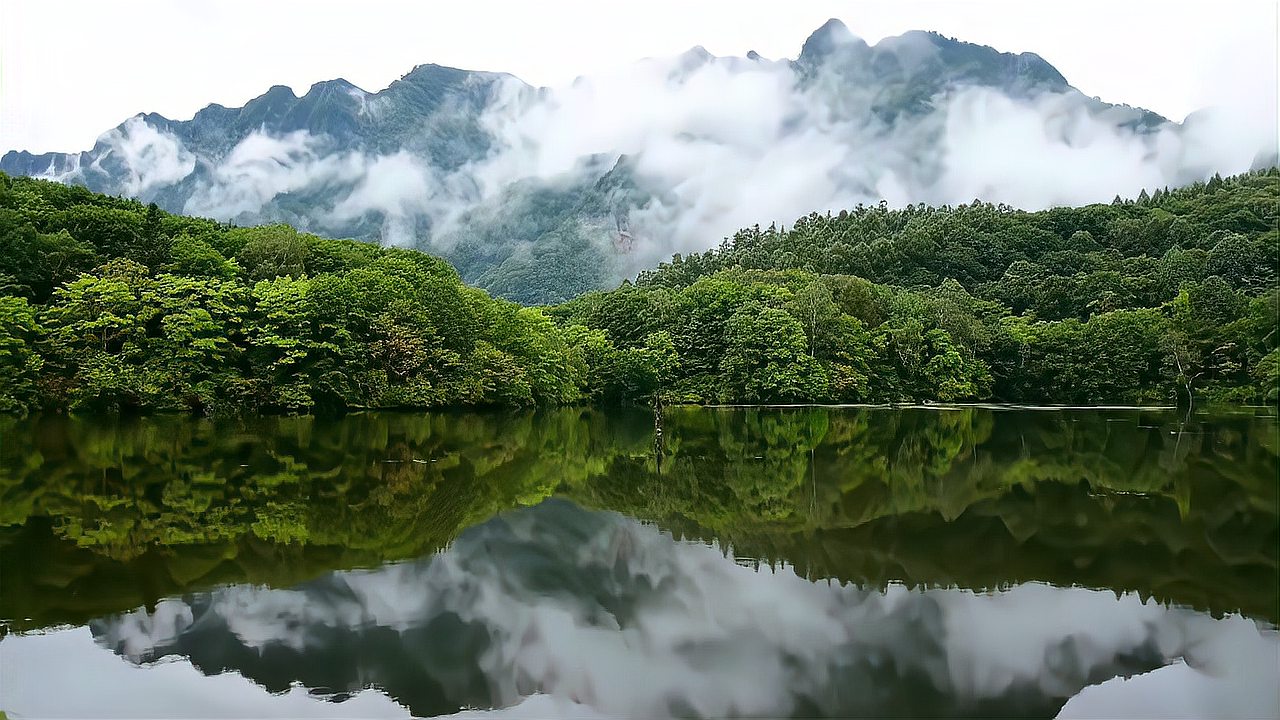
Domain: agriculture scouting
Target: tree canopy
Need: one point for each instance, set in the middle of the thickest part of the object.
(107, 304)
(1163, 299)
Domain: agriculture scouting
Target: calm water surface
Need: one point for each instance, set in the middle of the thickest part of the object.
(767, 563)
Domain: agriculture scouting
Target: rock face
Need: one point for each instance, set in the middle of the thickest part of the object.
(541, 194)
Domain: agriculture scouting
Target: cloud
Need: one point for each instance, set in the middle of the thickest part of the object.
(62, 168)
(728, 142)
(337, 187)
(262, 167)
(397, 188)
(716, 144)
(151, 158)
(1050, 150)
(725, 142)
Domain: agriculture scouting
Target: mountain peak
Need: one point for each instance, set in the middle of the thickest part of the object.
(833, 28)
(279, 91)
(695, 55)
(825, 39)
(692, 59)
(338, 84)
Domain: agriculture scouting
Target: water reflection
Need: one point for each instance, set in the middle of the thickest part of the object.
(909, 562)
(602, 611)
(98, 518)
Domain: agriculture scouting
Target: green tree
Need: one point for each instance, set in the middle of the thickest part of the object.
(273, 251)
(195, 257)
(767, 359)
(814, 307)
(297, 364)
(20, 364)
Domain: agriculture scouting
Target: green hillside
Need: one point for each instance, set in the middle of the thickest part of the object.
(110, 305)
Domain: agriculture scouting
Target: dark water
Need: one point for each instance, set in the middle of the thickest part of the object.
(782, 562)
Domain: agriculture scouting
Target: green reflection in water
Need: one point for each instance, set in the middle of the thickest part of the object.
(99, 517)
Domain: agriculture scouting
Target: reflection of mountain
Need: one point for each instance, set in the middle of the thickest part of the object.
(96, 519)
(604, 611)
(99, 517)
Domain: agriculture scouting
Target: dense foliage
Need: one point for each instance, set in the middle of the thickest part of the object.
(1167, 297)
(108, 304)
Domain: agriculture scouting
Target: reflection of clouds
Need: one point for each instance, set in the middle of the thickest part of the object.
(62, 674)
(1231, 673)
(141, 631)
(605, 615)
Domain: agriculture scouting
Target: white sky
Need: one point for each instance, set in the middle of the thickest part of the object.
(71, 69)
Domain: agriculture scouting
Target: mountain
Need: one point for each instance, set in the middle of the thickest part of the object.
(539, 194)
(431, 113)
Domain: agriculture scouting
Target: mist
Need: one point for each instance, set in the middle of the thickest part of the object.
(716, 144)
(728, 142)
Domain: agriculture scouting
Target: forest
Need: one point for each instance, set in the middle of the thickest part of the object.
(108, 305)
(1162, 299)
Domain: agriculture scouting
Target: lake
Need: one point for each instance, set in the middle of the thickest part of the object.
(768, 562)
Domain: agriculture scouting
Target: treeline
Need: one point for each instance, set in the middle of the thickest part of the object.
(1155, 300)
(107, 304)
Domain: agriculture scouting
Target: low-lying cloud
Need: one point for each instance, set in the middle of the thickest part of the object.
(151, 158)
(716, 144)
(261, 168)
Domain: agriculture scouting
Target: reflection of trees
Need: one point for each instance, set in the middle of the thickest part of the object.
(362, 482)
(976, 498)
(131, 511)
(169, 503)
(731, 472)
